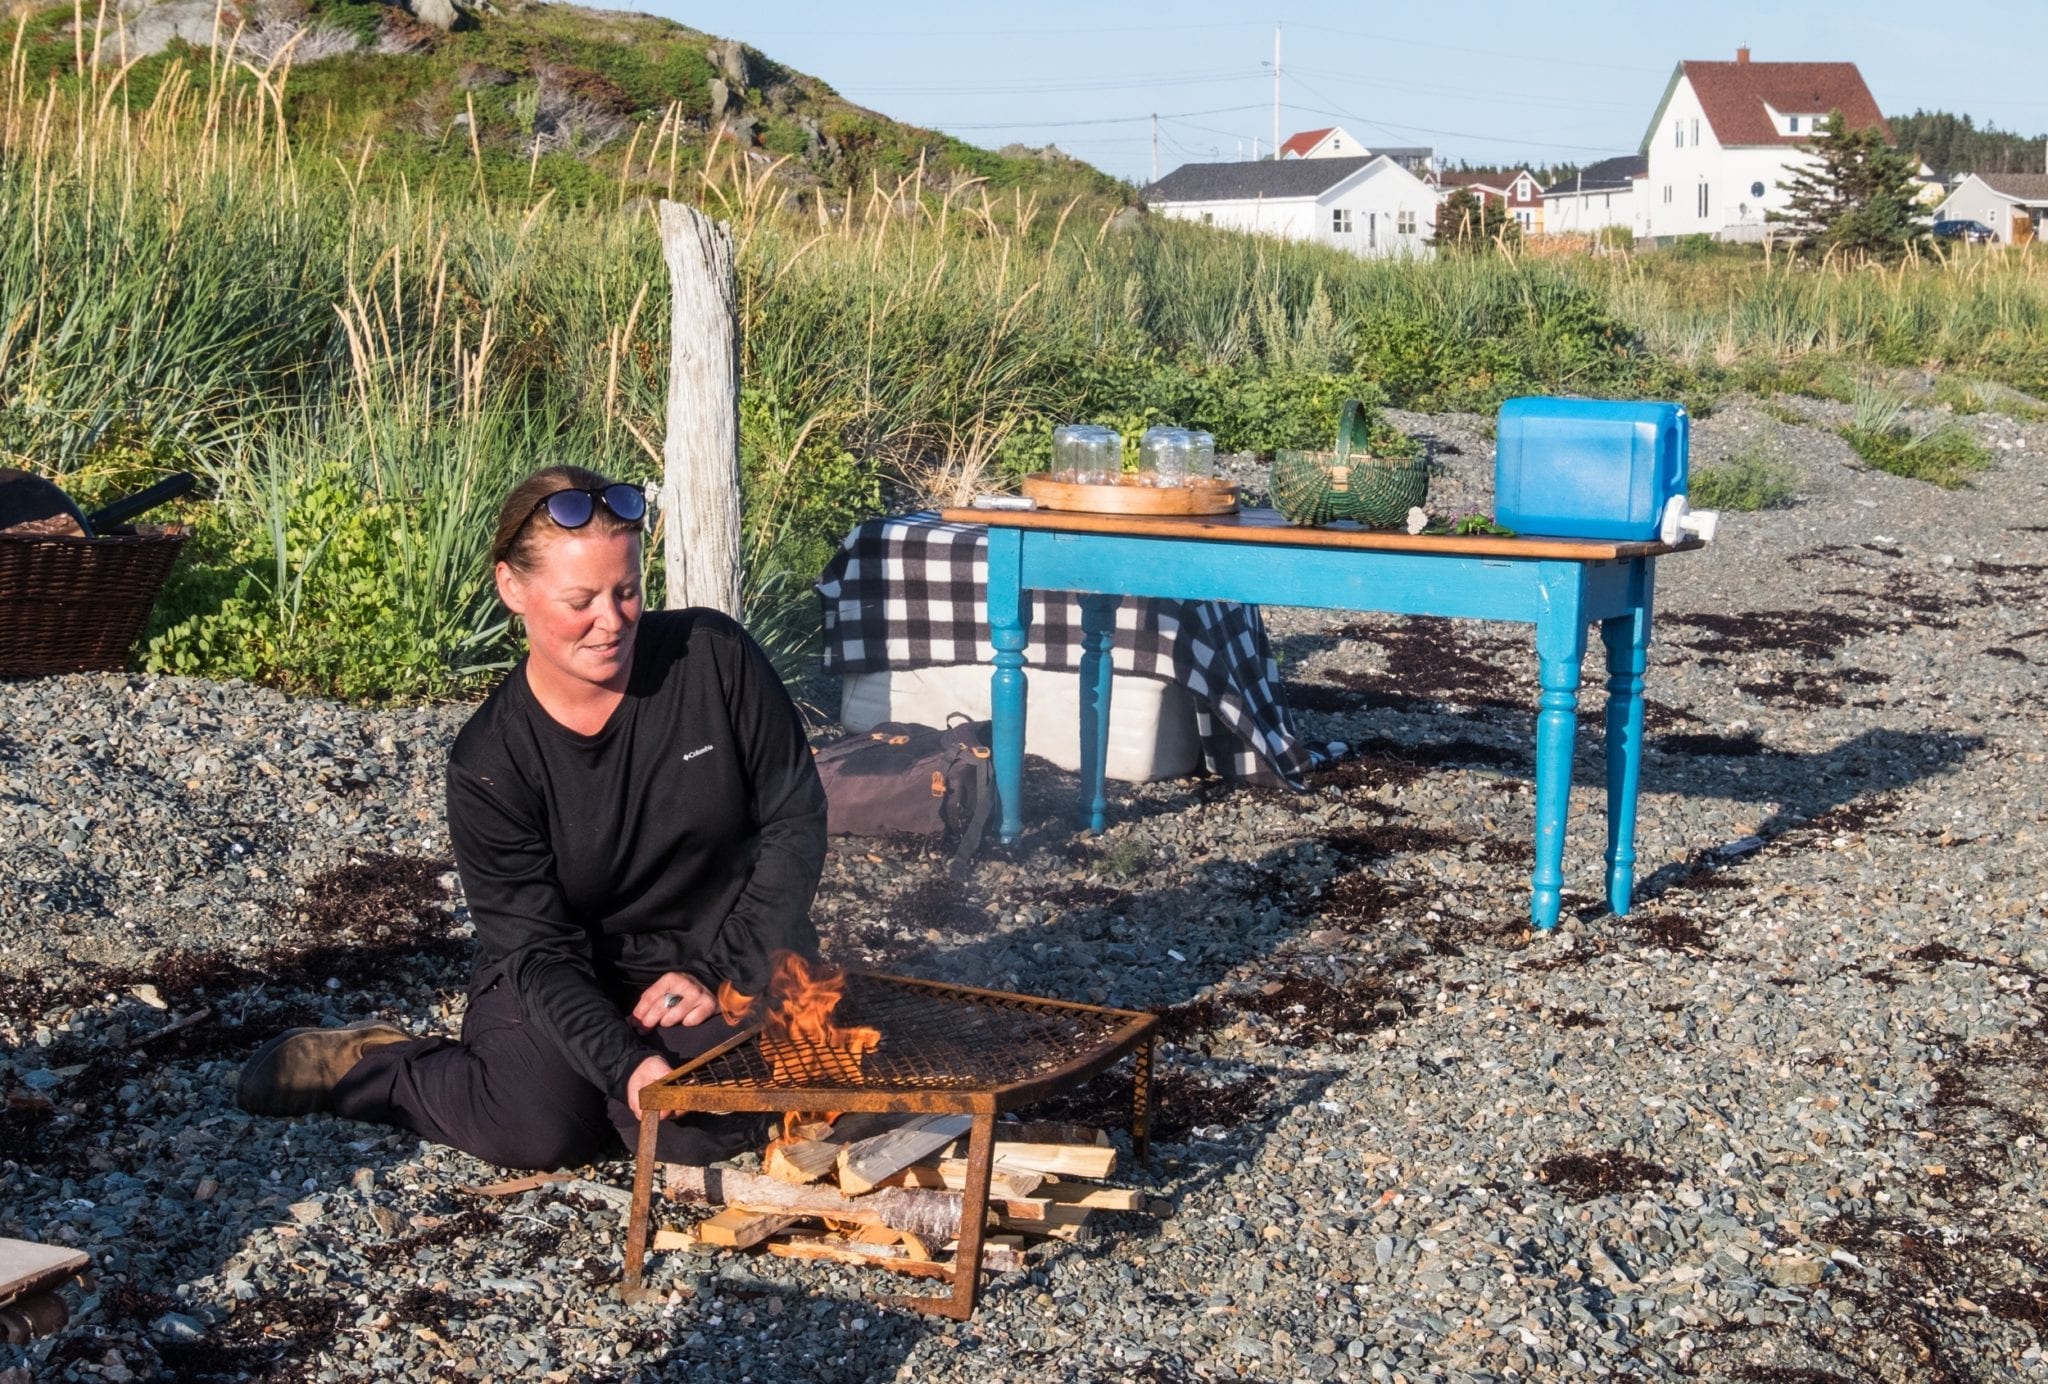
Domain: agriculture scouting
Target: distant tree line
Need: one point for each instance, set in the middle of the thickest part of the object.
(1953, 144)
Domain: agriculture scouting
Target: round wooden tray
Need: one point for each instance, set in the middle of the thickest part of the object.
(1205, 496)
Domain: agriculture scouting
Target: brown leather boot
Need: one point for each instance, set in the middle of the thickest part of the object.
(295, 1073)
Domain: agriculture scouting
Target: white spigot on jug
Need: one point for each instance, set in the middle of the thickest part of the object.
(1681, 521)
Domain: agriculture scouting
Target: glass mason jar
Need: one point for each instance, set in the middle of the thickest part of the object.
(1163, 456)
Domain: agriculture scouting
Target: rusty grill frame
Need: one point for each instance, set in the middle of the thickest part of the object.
(1050, 1045)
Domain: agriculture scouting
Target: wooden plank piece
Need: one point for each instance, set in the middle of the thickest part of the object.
(27, 1267)
(734, 1228)
(994, 1258)
(1095, 1198)
(863, 1166)
(1003, 1183)
(1057, 1160)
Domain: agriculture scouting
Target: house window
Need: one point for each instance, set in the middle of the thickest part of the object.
(1667, 194)
(1695, 133)
(1794, 122)
(1208, 218)
(1527, 218)
(1703, 199)
(1340, 220)
(1335, 145)
(1678, 133)
(1607, 200)
(1756, 190)
(1372, 230)
(1404, 223)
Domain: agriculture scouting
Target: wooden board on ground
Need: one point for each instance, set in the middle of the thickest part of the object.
(864, 1166)
(27, 1267)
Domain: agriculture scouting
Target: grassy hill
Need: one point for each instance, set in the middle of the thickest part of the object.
(588, 104)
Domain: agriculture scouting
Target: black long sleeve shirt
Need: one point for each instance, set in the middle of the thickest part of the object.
(686, 835)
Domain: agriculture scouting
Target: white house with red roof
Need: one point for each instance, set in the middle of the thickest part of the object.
(1727, 136)
(1334, 142)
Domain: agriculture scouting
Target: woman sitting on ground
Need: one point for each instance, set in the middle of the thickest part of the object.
(636, 818)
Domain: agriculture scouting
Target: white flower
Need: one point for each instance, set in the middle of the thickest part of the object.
(1418, 519)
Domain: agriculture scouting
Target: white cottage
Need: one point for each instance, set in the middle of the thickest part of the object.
(1727, 137)
(1369, 205)
(1600, 195)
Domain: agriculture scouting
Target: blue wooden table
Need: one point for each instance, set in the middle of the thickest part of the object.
(1557, 585)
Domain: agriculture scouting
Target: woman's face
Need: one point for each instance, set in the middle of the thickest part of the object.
(580, 603)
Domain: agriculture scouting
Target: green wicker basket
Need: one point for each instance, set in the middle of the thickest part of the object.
(1350, 483)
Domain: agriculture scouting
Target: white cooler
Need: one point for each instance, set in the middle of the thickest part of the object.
(1151, 723)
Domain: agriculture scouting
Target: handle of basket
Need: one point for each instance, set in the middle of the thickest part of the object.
(1351, 431)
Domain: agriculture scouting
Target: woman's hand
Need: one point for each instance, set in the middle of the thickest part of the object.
(674, 999)
(651, 1070)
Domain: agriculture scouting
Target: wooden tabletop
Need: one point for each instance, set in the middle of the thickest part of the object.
(1267, 526)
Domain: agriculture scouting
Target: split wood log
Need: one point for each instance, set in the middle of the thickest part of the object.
(1053, 1222)
(865, 1165)
(668, 1238)
(800, 1160)
(700, 487)
(1056, 1160)
(931, 1216)
(733, 1228)
(994, 1258)
(1094, 1198)
(952, 1176)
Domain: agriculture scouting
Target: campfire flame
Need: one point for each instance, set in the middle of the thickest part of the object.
(798, 1037)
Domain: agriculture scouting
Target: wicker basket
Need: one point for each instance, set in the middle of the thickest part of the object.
(1318, 487)
(77, 605)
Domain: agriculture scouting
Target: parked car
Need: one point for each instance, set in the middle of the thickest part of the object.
(1969, 232)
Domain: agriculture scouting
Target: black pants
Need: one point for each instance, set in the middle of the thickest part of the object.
(506, 1094)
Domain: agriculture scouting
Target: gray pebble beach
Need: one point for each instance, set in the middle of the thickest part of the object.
(1783, 1122)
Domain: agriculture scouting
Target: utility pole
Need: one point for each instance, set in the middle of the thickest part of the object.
(1155, 146)
(1276, 91)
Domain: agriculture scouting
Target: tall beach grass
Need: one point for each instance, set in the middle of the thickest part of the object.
(360, 363)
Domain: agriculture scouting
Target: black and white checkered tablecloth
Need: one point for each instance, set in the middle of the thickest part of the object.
(912, 592)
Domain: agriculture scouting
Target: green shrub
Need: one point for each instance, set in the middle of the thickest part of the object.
(1747, 481)
(1946, 455)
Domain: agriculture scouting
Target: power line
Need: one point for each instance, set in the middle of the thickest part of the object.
(1075, 84)
(1467, 94)
(1449, 134)
(1106, 120)
(1478, 52)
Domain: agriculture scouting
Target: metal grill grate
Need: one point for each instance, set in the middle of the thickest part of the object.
(934, 1038)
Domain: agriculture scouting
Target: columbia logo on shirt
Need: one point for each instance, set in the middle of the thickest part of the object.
(701, 749)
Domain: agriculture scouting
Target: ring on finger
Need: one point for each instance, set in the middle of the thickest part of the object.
(670, 1001)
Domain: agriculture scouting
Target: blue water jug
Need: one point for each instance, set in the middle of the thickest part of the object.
(1588, 468)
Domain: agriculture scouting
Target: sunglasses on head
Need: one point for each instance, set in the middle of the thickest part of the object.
(572, 509)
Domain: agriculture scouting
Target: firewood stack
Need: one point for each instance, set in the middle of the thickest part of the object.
(884, 1191)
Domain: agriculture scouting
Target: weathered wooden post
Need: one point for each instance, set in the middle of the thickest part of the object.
(700, 484)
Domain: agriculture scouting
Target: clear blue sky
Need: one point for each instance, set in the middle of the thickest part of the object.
(1485, 81)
